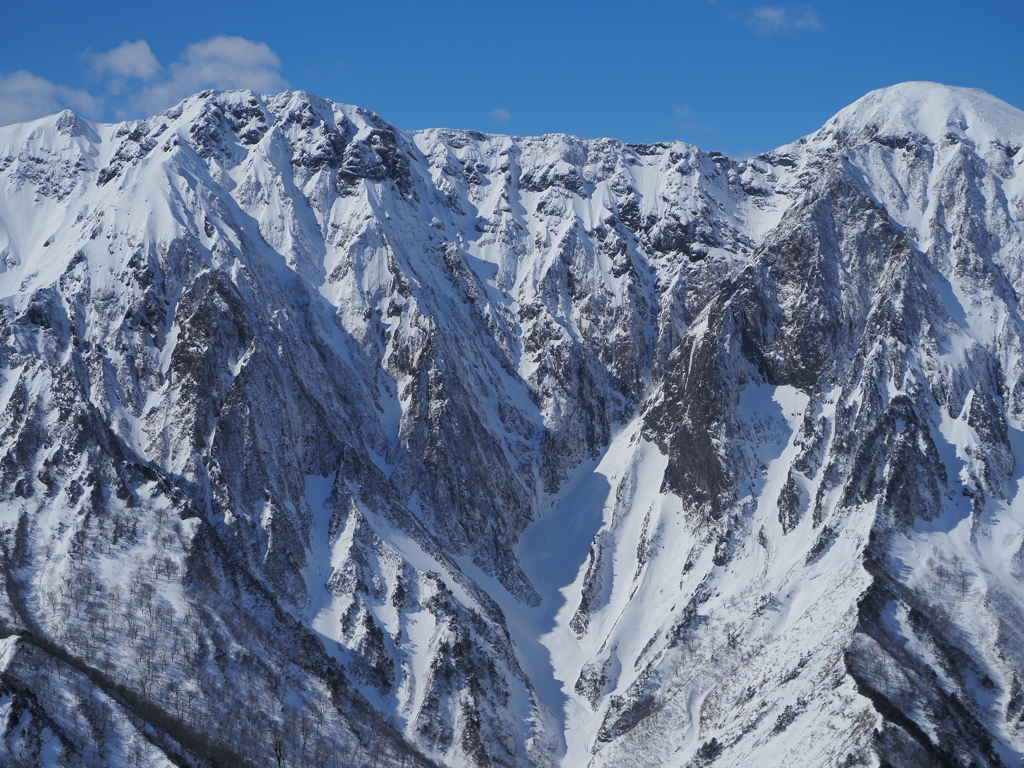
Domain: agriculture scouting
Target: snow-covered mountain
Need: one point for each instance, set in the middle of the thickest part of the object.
(325, 443)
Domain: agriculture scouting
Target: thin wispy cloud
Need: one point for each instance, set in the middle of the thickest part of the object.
(501, 115)
(683, 117)
(133, 83)
(784, 19)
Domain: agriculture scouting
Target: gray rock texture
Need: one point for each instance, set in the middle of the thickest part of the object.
(326, 443)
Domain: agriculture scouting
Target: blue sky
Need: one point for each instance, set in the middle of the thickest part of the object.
(732, 75)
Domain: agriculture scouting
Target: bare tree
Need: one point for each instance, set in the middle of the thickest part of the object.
(278, 748)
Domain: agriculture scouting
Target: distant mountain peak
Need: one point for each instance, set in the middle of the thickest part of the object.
(932, 111)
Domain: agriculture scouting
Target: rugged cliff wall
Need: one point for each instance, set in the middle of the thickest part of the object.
(325, 443)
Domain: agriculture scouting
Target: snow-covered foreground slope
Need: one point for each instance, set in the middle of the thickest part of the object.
(325, 443)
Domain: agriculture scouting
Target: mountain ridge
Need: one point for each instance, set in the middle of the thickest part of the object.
(539, 450)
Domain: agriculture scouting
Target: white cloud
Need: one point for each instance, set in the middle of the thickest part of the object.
(220, 62)
(24, 96)
(127, 60)
(783, 19)
(137, 84)
(501, 115)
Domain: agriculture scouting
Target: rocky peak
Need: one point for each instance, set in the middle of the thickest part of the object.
(319, 437)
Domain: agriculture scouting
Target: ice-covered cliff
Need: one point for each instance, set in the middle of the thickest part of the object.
(327, 443)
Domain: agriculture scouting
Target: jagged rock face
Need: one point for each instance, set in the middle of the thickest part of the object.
(326, 443)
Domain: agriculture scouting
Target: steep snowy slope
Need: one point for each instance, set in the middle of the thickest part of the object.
(840, 426)
(325, 443)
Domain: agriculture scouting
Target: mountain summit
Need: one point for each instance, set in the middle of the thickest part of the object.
(933, 111)
(327, 443)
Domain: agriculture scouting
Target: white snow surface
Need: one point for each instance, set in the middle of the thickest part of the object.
(745, 652)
